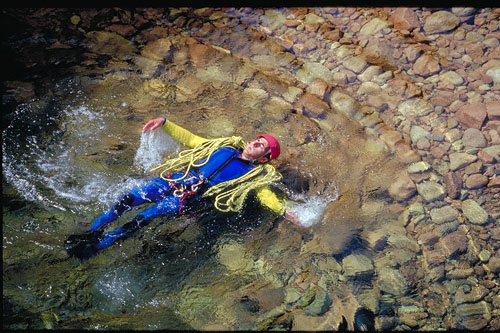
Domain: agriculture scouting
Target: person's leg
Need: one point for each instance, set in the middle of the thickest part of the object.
(152, 191)
(167, 207)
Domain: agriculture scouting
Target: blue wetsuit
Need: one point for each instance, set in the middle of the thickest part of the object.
(223, 165)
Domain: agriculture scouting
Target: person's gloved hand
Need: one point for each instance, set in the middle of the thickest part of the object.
(290, 216)
(153, 124)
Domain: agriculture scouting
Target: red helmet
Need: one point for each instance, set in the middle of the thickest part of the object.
(273, 145)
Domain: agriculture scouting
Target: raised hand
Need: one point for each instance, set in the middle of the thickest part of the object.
(290, 216)
(153, 124)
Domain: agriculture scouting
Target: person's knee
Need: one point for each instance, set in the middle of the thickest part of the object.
(125, 203)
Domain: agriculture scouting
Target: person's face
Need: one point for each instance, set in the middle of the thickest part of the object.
(256, 149)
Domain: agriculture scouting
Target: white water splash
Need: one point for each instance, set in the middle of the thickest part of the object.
(311, 208)
(153, 147)
(52, 173)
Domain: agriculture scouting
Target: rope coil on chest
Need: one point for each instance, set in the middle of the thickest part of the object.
(187, 159)
(230, 195)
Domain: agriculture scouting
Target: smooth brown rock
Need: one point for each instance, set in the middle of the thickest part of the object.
(444, 98)
(201, 54)
(404, 19)
(318, 87)
(476, 181)
(440, 21)
(474, 50)
(454, 242)
(453, 184)
(438, 152)
(494, 182)
(159, 50)
(473, 138)
(494, 264)
(402, 188)
(472, 168)
(110, 43)
(471, 115)
(493, 110)
(378, 52)
(312, 106)
(485, 157)
(333, 35)
(426, 65)
(411, 52)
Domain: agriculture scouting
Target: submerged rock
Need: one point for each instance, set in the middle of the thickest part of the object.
(415, 106)
(343, 103)
(431, 191)
(234, 256)
(494, 264)
(494, 151)
(374, 26)
(453, 243)
(471, 115)
(418, 167)
(357, 264)
(426, 65)
(473, 138)
(402, 188)
(404, 19)
(319, 306)
(494, 74)
(476, 181)
(443, 214)
(460, 160)
(110, 43)
(391, 281)
(474, 212)
(473, 316)
(440, 21)
(310, 71)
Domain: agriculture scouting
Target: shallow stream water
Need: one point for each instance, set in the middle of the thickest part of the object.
(68, 155)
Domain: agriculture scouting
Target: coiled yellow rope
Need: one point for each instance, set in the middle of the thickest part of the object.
(232, 199)
(187, 158)
(229, 195)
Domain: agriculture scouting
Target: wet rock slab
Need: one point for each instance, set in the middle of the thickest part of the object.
(474, 212)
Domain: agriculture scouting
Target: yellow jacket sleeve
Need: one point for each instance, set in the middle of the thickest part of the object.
(269, 199)
(182, 135)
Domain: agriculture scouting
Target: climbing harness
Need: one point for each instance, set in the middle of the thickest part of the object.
(184, 192)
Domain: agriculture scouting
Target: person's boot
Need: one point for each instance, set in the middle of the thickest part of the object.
(83, 246)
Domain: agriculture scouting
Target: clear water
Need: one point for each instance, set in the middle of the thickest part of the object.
(68, 157)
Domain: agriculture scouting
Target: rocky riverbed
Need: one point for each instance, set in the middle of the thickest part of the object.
(422, 84)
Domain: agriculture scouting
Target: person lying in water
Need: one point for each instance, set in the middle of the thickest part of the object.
(220, 171)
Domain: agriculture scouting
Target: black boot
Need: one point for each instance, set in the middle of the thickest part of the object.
(84, 245)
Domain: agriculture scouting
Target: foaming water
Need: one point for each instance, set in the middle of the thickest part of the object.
(153, 147)
(49, 160)
(310, 208)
